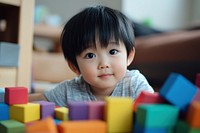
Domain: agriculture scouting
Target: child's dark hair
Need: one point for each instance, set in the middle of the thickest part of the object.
(94, 24)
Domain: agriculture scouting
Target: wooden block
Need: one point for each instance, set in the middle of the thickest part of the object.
(96, 110)
(16, 95)
(78, 110)
(157, 115)
(178, 91)
(25, 112)
(92, 126)
(11, 126)
(193, 115)
(43, 126)
(197, 81)
(4, 115)
(147, 98)
(61, 113)
(119, 114)
(46, 109)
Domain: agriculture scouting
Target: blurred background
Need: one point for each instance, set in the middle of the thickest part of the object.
(157, 16)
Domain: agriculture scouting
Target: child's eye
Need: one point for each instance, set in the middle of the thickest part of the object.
(113, 51)
(90, 55)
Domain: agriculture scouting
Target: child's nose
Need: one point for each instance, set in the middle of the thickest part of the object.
(103, 64)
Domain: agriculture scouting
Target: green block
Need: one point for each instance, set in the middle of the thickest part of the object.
(183, 127)
(157, 115)
(11, 126)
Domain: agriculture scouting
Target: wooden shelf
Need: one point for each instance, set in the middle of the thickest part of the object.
(49, 32)
(11, 2)
(19, 15)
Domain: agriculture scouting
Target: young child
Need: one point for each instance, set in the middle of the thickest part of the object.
(98, 45)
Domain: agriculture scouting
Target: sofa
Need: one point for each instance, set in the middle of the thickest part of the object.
(161, 54)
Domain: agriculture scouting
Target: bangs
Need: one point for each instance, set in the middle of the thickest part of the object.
(102, 27)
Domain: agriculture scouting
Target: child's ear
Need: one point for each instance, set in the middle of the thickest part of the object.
(131, 56)
(73, 68)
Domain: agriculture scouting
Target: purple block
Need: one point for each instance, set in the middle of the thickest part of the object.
(78, 110)
(96, 110)
(46, 109)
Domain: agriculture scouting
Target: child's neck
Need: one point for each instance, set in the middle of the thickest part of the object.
(100, 95)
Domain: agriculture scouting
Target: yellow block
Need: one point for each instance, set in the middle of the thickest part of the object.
(43, 126)
(25, 112)
(61, 113)
(119, 114)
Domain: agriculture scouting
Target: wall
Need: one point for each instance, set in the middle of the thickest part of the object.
(67, 8)
(161, 14)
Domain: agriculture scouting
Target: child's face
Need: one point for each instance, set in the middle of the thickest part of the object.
(101, 67)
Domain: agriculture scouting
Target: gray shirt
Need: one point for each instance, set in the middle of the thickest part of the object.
(78, 90)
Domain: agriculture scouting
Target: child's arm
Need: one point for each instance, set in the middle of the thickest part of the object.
(37, 97)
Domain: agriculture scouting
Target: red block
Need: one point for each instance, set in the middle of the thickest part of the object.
(147, 98)
(197, 82)
(16, 95)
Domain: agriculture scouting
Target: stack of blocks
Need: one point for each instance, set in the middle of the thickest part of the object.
(175, 109)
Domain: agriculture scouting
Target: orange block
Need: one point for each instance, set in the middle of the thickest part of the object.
(43, 126)
(89, 126)
(193, 115)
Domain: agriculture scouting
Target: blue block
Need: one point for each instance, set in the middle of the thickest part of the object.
(141, 129)
(4, 112)
(9, 54)
(2, 95)
(178, 91)
(56, 121)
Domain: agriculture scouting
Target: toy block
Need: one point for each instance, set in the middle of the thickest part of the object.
(46, 109)
(119, 114)
(56, 121)
(78, 110)
(83, 126)
(197, 81)
(61, 113)
(11, 126)
(16, 95)
(2, 95)
(4, 115)
(147, 98)
(178, 91)
(157, 115)
(141, 129)
(183, 127)
(197, 96)
(96, 110)
(193, 115)
(25, 112)
(45, 125)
